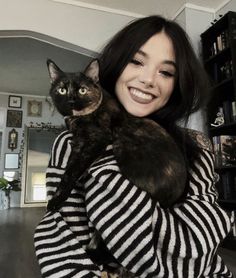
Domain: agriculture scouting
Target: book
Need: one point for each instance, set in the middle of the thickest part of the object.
(216, 150)
(233, 104)
(228, 186)
(228, 150)
(227, 111)
(224, 147)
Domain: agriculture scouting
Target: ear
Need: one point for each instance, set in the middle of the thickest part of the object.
(54, 71)
(92, 70)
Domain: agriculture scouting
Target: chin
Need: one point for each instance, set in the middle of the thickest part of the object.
(139, 114)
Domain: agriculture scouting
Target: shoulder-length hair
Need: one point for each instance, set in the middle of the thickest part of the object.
(191, 87)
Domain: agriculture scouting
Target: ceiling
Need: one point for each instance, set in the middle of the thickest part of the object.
(147, 7)
(23, 58)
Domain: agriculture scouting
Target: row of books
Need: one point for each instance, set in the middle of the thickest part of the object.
(224, 147)
(229, 111)
(220, 43)
(222, 71)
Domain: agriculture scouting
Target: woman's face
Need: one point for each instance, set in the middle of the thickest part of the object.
(148, 80)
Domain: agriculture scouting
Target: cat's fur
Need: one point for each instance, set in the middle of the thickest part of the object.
(145, 152)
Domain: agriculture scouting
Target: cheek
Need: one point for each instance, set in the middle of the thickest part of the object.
(167, 89)
(119, 87)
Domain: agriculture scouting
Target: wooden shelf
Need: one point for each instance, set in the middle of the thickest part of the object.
(219, 39)
(219, 55)
(222, 83)
(224, 129)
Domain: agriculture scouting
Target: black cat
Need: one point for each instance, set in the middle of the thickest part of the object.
(146, 154)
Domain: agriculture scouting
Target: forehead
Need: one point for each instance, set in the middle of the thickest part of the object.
(159, 46)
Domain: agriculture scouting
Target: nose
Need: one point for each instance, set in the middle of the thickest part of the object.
(148, 77)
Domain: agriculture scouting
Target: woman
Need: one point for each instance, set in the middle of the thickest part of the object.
(150, 67)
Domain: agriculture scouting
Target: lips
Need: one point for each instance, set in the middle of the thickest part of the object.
(141, 96)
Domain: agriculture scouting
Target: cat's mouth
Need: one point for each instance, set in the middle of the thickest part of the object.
(88, 110)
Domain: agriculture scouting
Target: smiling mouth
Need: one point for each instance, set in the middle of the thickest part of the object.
(140, 96)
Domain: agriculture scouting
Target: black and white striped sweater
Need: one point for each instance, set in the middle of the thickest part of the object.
(146, 239)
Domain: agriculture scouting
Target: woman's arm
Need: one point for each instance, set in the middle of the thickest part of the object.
(60, 153)
(154, 242)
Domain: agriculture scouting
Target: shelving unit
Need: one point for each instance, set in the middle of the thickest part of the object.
(219, 58)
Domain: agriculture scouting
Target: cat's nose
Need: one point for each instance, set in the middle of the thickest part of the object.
(71, 102)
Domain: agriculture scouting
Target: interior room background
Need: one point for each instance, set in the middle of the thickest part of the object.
(79, 31)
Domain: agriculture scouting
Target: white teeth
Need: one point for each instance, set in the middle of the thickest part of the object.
(141, 94)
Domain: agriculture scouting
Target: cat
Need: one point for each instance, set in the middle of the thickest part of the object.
(146, 154)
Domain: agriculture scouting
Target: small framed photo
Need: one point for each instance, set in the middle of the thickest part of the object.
(14, 118)
(11, 161)
(34, 108)
(12, 139)
(14, 101)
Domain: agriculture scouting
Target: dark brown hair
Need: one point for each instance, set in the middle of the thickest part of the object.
(191, 87)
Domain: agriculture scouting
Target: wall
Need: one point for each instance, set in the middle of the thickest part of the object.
(231, 6)
(67, 23)
(72, 24)
(47, 117)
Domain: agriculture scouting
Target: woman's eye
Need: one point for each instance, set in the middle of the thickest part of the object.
(136, 62)
(83, 90)
(62, 91)
(166, 73)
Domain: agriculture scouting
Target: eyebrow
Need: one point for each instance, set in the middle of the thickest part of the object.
(168, 62)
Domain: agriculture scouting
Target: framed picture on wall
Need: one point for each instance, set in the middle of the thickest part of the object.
(34, 108)
(11, 161)
(14, 118)
(14, 101)
(12, 139)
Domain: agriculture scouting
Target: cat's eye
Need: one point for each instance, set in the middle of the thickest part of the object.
(83, 90)
(62, 91)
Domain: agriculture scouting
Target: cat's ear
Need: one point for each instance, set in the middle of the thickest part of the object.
(54, 71)
(92, 70)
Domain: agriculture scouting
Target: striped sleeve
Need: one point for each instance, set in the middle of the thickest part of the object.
(60, 154)
(154, 242)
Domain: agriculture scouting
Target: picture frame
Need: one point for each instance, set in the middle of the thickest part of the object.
(12, 139)
(14, 101)
(11, 161)
(34, 108)
(14, 118)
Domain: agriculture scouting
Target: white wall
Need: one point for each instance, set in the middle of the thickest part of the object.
(56, 120)
(89, 29)
(231, 6)
(84, 27)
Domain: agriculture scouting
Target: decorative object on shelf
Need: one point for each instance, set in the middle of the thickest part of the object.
(14, 101)
(12, 139)
(7, 186)
(219, 120)
(47, 126)
(14, 118)
(34, 108)
(11, 161)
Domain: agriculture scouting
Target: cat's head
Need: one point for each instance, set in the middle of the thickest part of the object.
(76, 93)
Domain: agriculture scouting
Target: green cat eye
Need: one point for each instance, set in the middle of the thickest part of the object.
(83, 90)
(62, 91)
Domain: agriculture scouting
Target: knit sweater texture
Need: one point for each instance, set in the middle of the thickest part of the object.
(146, 239)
